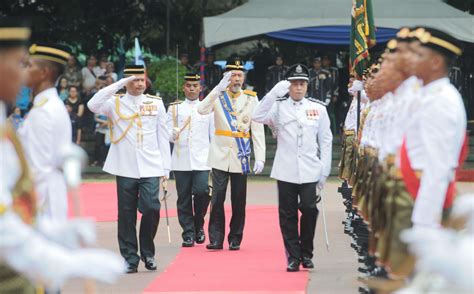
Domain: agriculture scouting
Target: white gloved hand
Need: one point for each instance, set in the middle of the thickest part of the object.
(321, 182)
(363, 97)
(356, 87)
(72, 234)
(122, 82)
(97, 264)
(175, 133)
(258, 167)
(224, 83)
(280, 89)
(74, 159)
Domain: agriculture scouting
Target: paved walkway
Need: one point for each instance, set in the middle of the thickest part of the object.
(335, 272)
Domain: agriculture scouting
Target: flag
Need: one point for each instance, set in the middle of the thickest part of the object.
(138, 54)
(362, 35)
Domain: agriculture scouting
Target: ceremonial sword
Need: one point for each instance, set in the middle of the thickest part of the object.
(165, 195)
(321, 198)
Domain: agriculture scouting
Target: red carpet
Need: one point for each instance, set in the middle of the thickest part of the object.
(466, 175)
(259, 267)
(99, 201)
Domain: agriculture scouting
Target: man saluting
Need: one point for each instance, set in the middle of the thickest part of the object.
(302, 161)
(139, 156)
(229, 154)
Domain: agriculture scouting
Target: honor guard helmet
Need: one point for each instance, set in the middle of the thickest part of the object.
(297, 72)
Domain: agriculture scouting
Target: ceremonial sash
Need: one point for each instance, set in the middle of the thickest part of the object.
(412, 181)
(243, 144)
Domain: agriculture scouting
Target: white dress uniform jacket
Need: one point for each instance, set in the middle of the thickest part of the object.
(144, 151)
(406, 95)
(27, 248)
(47, 136)
(350, 123)
(21, 247)
(191, 149)
(434, 141)
(223, 151)
(304, 138)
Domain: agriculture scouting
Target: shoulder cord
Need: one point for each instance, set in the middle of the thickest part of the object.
(24, 196)
(276, 128)
(175, 124)
(131, 120)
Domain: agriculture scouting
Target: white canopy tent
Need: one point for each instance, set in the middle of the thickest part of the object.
(258, 17)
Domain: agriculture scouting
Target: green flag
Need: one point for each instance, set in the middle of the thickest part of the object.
(362, 35)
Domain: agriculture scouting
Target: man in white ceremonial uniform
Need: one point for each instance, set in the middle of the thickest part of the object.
(138, 157)
(229, 155)
(302, 161)
(430, 149)
(191, 135)
(347, 162)
(32, 255)
(46, 132)
(437, 131)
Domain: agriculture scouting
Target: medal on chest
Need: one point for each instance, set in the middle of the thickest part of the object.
(312, 114)
(148, 109)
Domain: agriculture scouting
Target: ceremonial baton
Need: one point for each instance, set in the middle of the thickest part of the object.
(165, 195)
(324, 218)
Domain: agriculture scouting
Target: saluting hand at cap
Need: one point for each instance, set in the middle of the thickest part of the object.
(280, 89)
(224, 83)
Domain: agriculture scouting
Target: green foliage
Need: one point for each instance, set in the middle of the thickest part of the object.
(162, 72)
(97, 26)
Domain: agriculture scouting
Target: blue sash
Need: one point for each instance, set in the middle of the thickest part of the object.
(242, 143)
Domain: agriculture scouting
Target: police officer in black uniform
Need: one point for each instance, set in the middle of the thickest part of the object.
(275, 73)
(320, 86)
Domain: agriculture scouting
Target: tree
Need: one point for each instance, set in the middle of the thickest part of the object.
(97, 26)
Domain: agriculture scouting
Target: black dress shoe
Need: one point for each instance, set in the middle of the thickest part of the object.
(293, 266)
(234, 246)
(150, 263)
(214, 246)
(188, 242)
(307, 262)
(200, 236)
(131, 269)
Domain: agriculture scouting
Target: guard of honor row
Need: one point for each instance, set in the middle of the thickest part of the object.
(411, 117)
(399, 163)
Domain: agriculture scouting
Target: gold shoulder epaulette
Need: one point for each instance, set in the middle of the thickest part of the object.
(250, 93)
(41, 103)
(176, 102)
(153, 97)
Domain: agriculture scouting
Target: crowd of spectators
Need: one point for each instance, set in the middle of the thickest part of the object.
(75, 87)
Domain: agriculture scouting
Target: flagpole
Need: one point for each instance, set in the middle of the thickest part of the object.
(177, 72)
(358, 112)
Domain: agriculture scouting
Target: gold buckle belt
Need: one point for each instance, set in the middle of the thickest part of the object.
(349, 132)
(390, 159)
(228, 133)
